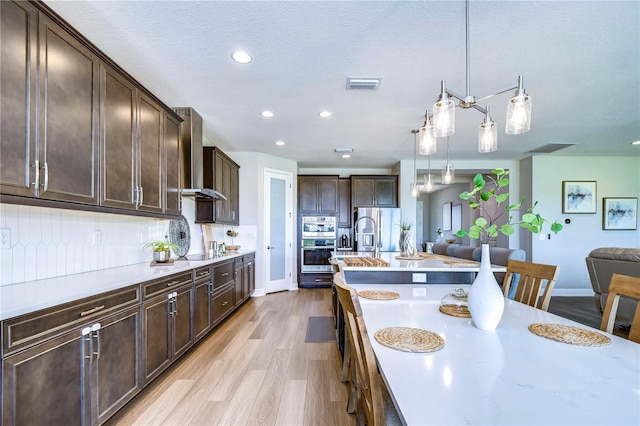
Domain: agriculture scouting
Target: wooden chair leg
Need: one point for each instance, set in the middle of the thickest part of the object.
(346, 361)
(353, 394)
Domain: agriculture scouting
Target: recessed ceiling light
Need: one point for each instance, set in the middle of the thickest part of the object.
(324, 114)
(241, 57)
(266, 114)
(635, 143)
(346, 155)
(279, 143)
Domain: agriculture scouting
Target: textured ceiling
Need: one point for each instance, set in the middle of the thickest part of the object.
(580, 61)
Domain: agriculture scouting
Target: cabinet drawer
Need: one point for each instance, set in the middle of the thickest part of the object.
(222, 273)
(26, 330)
(156, 287)
(203, 273)
(316, 279)
(222, 303)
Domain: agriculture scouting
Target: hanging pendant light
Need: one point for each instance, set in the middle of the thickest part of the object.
(487, 135)
(448, 171)
(429, 184)
(518, 109)
(518, 112)
(444, 115)
(427, 142)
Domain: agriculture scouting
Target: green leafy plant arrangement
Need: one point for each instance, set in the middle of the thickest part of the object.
(161, 245)
(483, 227)
(405, 225)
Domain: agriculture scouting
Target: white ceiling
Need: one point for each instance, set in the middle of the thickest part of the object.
(580, 61)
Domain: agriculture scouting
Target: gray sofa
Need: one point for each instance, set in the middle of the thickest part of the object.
(604, 262)
(499, 256)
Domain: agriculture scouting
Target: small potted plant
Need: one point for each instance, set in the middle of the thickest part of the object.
(161, 250)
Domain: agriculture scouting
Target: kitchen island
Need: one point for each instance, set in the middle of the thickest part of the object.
(391, 268)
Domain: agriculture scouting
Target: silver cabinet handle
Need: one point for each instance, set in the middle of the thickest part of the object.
(225, 274)
(46, 176)
(95, 328)
(36, 180)
(141, 195)
(91, 311)
(225, 303)
(170, 283)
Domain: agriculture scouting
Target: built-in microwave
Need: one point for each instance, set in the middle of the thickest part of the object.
(318, 227)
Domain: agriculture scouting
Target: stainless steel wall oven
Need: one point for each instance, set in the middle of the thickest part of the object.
(318, 243)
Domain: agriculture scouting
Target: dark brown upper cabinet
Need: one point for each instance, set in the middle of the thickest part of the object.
(76, 131)
(318, 194)
(374, 191)
(344, 203)
(50, 88)
(222, 174)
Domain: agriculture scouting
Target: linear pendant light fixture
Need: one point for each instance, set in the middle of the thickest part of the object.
(518, 108)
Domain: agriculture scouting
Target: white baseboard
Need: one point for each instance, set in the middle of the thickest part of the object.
(572, 292)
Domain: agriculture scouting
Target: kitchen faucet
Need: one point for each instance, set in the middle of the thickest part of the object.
(375, 233)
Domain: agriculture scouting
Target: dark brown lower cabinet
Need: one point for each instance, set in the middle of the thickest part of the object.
(202, 293)
(222, 303)
(59, 381)
(167, 329)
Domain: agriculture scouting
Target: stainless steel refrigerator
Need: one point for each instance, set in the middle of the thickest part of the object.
(377, 227)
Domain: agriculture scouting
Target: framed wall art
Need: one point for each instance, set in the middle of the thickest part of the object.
(578, 196)
(619, 213)
(446, 217)
(456, 218)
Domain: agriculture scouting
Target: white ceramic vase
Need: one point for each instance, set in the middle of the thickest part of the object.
(486, 302)
(406, 244)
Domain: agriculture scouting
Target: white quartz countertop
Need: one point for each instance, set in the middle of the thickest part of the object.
(452, 264)
(23, 298)
(509, 376)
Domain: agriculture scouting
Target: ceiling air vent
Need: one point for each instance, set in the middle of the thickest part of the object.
(360, 83)
(552, 147)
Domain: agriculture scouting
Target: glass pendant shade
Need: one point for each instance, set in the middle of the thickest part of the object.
(414, 190)
(429, 184)
(444, 118)
(518, 115)
(427, 141)
(448, 174)
(488, 136)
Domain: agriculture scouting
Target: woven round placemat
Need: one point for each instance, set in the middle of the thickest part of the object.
(569, 334)
(378, 294)
(409, 339)
(456, 310)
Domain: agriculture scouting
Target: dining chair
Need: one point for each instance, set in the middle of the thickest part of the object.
(528, 278)
(622, 285)
(374, 404)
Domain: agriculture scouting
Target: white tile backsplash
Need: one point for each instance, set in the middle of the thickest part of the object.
(47, 243)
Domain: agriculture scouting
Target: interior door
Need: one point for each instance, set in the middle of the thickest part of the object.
(278, 227)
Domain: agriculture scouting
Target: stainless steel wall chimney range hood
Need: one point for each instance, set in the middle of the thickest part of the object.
(192, 166)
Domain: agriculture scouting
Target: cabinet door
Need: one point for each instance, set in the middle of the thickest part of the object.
(386, 190)
(222, 303)
(18, 48)
(67, 117)
(220, 205)
(157, 332)
(201, 320)
(363, 192)
(234, 194)
(172, 165)
(182, 335)
(248, 280)
(117, 129)
(118, 373)
(46, 383)
(308, 195)
(150, 135)
(328, 196)
(239, 282)
(344, 203)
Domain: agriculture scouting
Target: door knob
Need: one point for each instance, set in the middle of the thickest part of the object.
(270, 247)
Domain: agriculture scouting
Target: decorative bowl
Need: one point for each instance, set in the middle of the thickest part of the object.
(451, 240)
(233, 248)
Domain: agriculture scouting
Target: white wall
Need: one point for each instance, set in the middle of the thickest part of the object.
(252, 209)
(615, 177)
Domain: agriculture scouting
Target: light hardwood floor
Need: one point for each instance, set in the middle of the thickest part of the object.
(254, 369)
